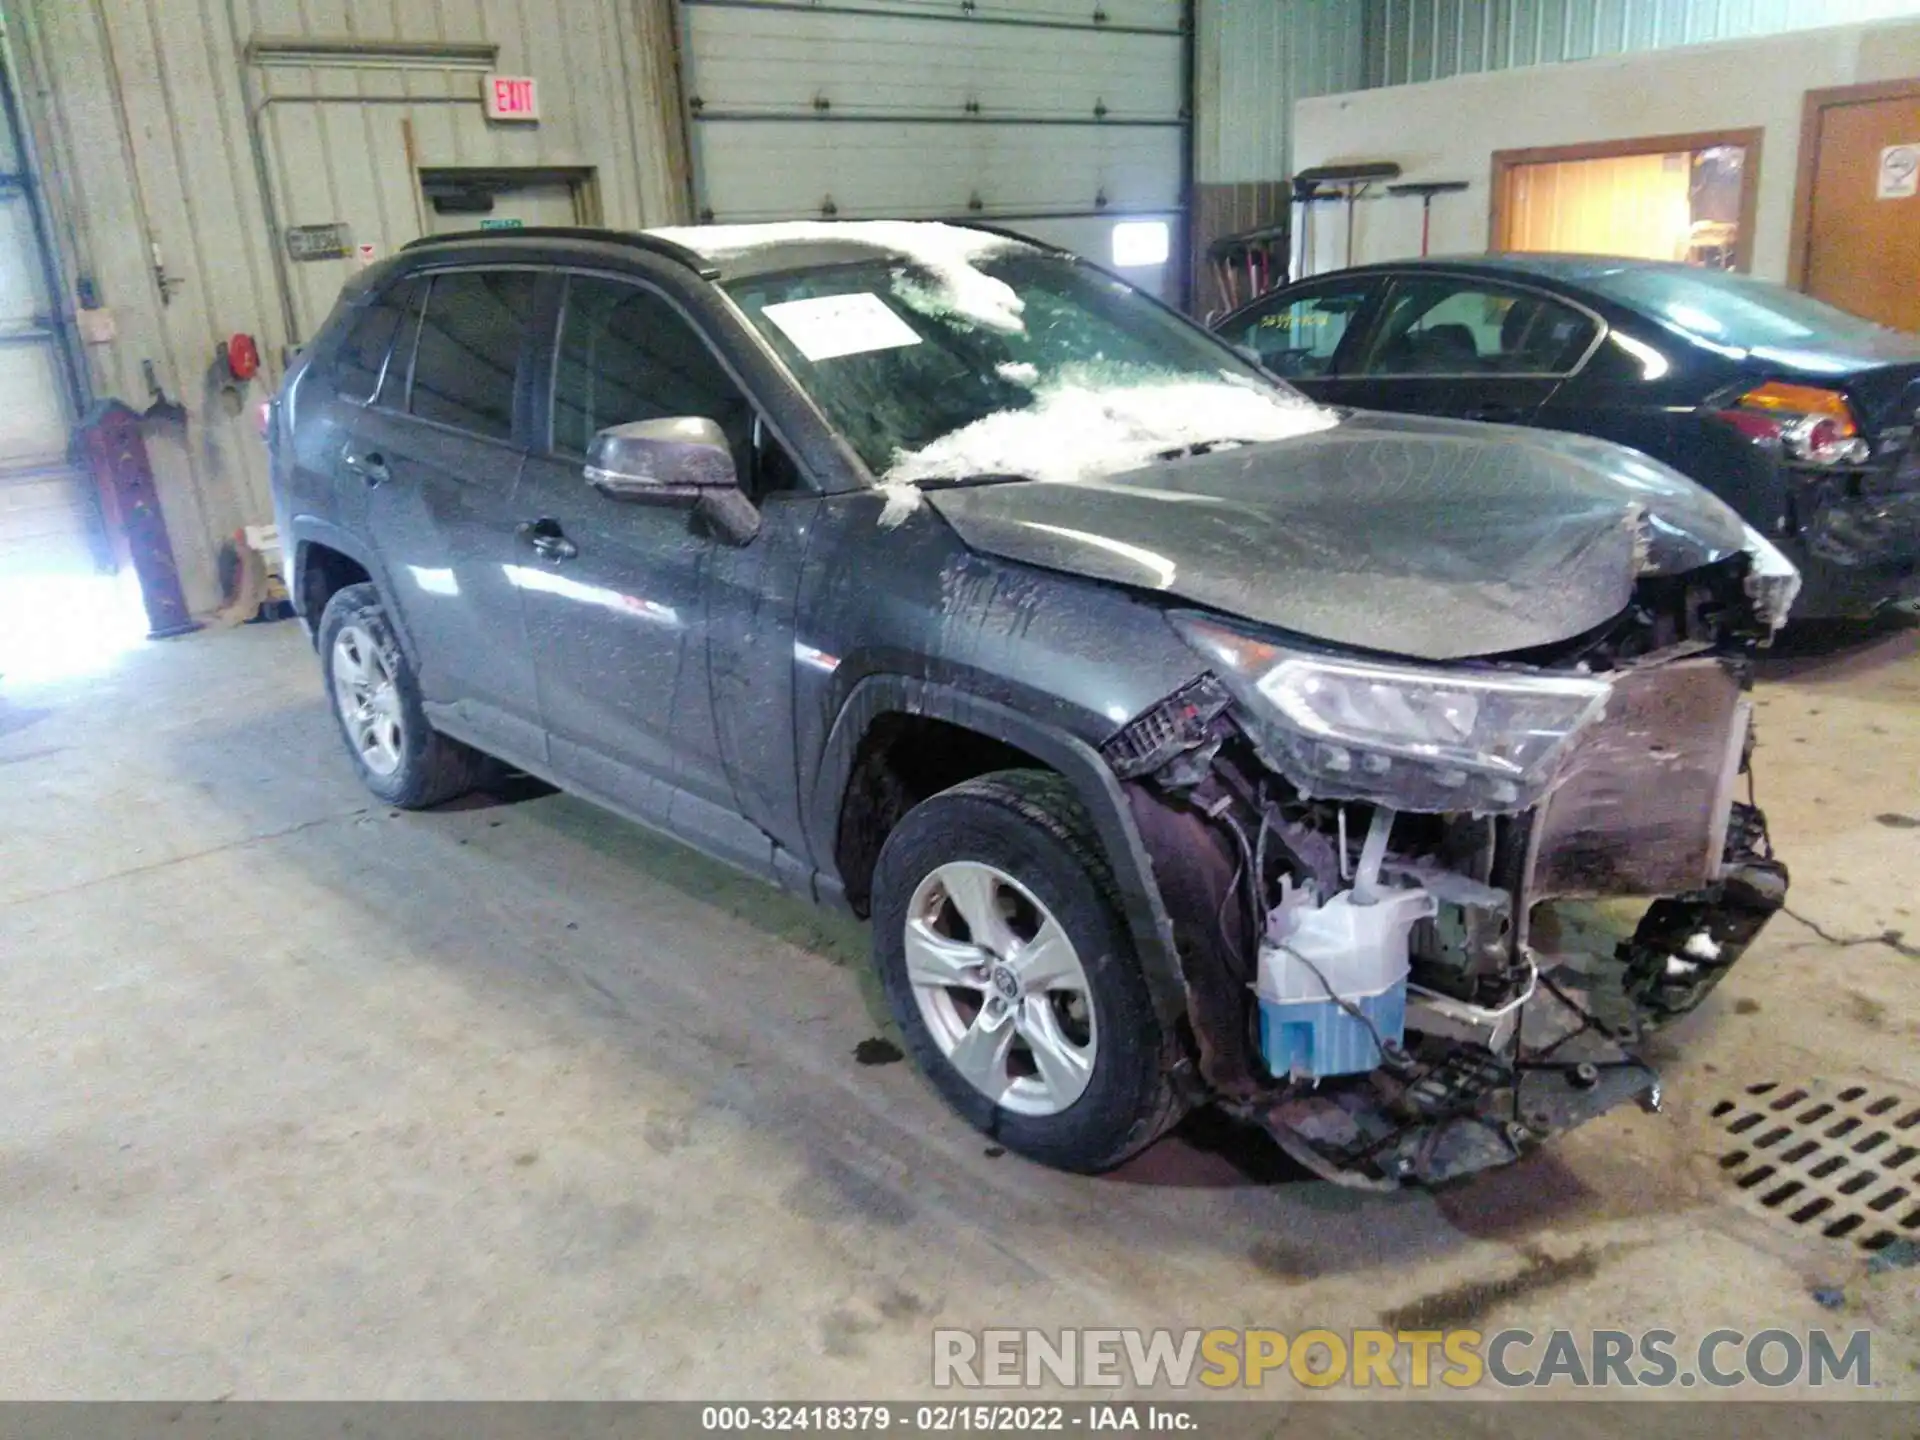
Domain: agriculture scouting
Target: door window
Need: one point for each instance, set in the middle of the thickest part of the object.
(627, 355)
(363, 354)
(469, 350)
(1298, 337)
(1446, 326)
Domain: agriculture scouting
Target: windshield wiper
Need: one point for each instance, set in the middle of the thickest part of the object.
(967, 482)
(1202, 447)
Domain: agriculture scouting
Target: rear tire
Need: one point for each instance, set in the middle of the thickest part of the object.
(376, 703)
(1041, 1031)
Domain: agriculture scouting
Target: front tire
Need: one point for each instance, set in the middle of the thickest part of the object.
(1000, 945)
(376, 702)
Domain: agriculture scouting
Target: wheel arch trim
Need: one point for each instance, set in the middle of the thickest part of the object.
(310, 530)
(1096, 786)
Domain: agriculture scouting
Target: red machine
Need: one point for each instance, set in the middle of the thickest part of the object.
(116, 452)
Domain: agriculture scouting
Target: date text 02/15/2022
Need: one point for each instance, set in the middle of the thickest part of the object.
(946, 1419)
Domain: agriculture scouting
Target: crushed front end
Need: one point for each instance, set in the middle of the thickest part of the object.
(1370, 868)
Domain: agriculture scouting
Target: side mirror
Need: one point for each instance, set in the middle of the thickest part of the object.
(660, 459)
(685, 459)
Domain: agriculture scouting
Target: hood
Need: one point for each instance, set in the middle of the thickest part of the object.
(1423, 538)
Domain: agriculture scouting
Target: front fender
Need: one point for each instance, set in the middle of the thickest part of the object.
(1097, 787)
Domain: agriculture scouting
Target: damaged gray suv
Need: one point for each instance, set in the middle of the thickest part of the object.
(1186, 742)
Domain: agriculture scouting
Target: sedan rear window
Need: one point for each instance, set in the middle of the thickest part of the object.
(1735, 310)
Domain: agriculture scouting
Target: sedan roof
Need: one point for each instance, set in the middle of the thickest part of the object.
(1546, 265)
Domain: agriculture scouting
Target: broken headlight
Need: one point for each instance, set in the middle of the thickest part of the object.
(1411, 737)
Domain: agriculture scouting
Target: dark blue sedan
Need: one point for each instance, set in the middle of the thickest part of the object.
(1798, 415)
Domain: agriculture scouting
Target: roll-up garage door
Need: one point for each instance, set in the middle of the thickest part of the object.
(1062, 119)
(47, 521)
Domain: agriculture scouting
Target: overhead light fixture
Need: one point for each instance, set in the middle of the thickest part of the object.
(1140, 242)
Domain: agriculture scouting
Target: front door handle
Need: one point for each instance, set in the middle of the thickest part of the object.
(547, 539)
(371, 467)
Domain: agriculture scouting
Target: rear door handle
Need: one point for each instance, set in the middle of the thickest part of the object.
(371, 467)
(547, 539)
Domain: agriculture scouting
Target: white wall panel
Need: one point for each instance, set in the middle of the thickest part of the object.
(1257, 58)
(1449, 129)
(1409, 41)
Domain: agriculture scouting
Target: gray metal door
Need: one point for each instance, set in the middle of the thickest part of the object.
(46, 511)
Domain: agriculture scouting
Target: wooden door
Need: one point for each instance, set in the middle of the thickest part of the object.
(1857, 221)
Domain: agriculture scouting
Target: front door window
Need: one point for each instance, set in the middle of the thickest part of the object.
(1441, 325)
(1298, 338)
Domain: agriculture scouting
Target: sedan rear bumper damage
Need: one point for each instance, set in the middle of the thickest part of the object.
(1858, 553)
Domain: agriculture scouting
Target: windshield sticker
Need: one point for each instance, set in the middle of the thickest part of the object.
(834, 325)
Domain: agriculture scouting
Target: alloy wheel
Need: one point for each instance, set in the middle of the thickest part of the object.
(1001, 988)
(368, 701)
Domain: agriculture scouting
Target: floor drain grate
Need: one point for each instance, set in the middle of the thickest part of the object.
(1842, 1159)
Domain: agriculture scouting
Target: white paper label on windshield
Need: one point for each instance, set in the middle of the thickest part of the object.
(834, 325)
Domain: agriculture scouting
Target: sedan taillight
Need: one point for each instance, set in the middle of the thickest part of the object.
(1813, 425)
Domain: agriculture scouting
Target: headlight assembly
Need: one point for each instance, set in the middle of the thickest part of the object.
(1412, 737)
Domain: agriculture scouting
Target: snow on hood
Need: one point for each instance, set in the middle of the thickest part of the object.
(949, 253)
(1081, 430)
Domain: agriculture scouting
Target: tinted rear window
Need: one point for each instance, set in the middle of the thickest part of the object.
(368, 342)
(469, 349)
(1736, 310)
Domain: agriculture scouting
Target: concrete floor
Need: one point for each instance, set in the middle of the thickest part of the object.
(305, 1098)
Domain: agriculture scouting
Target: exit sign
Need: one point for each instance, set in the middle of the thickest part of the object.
(512, 97)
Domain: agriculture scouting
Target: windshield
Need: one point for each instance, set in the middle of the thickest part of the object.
(1743, 313)
(1009, 361)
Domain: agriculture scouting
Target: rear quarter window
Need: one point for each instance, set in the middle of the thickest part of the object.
(369, 341)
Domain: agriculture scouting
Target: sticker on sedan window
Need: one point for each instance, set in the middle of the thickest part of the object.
(833, 325)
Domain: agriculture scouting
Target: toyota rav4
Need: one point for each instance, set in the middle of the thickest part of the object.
(1186, 742)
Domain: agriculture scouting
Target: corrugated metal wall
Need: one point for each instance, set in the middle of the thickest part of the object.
(1408, 41)
(142, 111)
(1253, 59)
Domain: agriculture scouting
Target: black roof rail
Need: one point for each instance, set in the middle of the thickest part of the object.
(637, 239)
